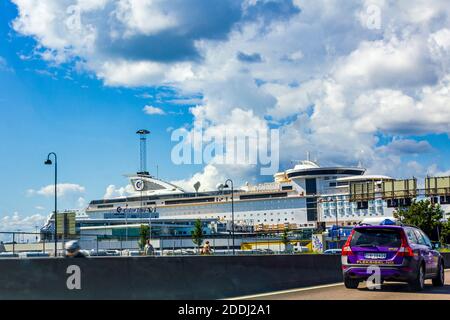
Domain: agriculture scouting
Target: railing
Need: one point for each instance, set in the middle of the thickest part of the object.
(23, 244)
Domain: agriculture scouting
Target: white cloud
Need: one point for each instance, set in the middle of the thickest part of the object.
(214, 174)
(63, 189)
(113, 192)
(15, 222)
(153, 110)
(81, 202)
(332, 85)
(406, 146)
(134, 14)
(4, 65)
(391, 64)
(208, 178)
(435, 171)
(394, 112)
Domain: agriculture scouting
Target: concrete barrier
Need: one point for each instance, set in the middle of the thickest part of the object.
(196, 277)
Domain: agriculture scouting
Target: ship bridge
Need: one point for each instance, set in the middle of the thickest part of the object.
(310, 169)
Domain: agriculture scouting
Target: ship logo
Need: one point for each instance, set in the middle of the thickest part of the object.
(139, 185)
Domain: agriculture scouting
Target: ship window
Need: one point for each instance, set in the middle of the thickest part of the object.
(105, 206)
(444, 199)
(311, 187)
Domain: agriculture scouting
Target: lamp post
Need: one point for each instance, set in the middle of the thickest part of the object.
(232, 208)
(331, 200)
(150, 211)
(126, 224)
(49, 162)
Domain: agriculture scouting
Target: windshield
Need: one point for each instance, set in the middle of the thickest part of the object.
(376, 237)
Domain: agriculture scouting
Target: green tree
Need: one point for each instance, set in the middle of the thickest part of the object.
(424, 215)
(444, 232)
(144, 235)
(197, 234)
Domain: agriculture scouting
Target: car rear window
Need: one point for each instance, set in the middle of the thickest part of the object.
(376, 237)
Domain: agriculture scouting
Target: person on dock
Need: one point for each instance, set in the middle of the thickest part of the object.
(73, 250)
(206, 248)
(148, 249)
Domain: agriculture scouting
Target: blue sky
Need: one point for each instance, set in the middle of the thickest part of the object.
(91, 127)
(345, 82)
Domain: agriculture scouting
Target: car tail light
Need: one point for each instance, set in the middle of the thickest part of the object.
(405, 250)
(346, 249)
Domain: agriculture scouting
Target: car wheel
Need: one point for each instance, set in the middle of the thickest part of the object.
(419, 281)
(351, 283)
(439, 280)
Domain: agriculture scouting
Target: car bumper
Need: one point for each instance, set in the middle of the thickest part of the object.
(389, 273)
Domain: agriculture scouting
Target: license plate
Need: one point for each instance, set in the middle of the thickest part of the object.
(375, 256)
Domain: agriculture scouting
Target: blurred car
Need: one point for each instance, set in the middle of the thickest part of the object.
(403, 253)
(333, 251)
(34, 254)
(113, 253)
(98, 253)
(8, 255)
(86, 253)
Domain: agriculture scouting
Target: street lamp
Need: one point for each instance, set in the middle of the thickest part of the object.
(150, 211)
(49, 162)
(225, 185)
(330, 199)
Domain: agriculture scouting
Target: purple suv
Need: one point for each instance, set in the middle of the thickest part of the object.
(402, 253)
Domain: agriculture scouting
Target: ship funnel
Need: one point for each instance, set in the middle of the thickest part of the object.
(143, 150)
(197, 186)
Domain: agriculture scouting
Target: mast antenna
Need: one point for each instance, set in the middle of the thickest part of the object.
(143, 150)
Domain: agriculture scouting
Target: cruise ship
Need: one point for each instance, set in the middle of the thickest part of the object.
(299, 198)
(305, 197)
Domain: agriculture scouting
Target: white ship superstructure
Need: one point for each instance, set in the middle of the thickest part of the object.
(303, 197)
(297, 198)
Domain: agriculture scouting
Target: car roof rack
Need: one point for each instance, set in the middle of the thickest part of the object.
(397, 223)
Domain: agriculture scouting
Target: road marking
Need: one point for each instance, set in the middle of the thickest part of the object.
(274, 293)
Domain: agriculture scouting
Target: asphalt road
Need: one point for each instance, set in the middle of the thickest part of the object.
(389, 291)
